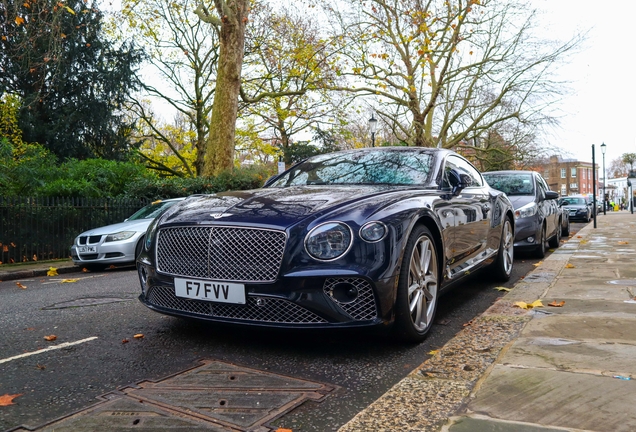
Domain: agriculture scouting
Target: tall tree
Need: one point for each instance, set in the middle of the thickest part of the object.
(71, 79)
(230, 18)
(444, 72)
(183, 53)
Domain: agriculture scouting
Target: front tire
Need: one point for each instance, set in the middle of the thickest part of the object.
(418, 285)
(555, 241)
(505, 256)
(540, 251)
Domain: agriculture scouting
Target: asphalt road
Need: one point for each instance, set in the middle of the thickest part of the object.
(99, 315)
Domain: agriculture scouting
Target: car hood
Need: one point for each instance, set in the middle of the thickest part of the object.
(137, 225)
(279, 207)
(519, 201)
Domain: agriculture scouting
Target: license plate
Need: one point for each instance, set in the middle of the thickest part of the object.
(215, 291)
(87, 249)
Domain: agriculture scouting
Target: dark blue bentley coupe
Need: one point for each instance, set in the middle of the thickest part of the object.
(355, 238)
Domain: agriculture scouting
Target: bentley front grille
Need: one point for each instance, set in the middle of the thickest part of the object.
(221, 253)
(262, 309)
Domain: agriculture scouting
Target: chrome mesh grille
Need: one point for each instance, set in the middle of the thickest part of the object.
(363, 308)
(221, 253)
(262, 309)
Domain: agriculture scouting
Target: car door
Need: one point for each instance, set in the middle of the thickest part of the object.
(471, 207)
(548, 207)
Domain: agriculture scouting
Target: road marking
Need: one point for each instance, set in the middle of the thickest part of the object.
(51, 348)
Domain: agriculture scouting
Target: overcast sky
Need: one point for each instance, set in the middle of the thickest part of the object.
(602, 76)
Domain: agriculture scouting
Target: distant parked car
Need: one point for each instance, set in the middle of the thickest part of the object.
(577, 206)
(538, 219)
(118, 243)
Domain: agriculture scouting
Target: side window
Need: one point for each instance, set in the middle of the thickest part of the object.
(541, 187)
(464, 167)
(448, 166)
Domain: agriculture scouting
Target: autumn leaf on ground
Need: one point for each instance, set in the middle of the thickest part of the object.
(125, 341)
(579, 236)
(138, 336)
(583, 242)
(623, 242)
(52, 271)
(502, 289)
(69, 280)
(524, 305)
(538, 264)
(7, 399)
(85, 270)
(433, 352)
(555, 304)
(41, 367)
(283, 430)
(19, 20)
(112, 267)
(35, 257)
(20, 285)
(50, 338)
(568, 265)
(468, 323)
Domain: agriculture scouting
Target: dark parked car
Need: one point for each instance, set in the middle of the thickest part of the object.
(357, 238)
(538, 219)
(578, 207)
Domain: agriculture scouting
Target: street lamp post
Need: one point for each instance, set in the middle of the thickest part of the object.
(603, 146)
(373, 124)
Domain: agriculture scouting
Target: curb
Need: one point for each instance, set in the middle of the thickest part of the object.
(26, 274)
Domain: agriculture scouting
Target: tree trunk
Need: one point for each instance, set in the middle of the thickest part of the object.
(220, 145)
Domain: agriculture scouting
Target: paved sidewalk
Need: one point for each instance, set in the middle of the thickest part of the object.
(542, 369)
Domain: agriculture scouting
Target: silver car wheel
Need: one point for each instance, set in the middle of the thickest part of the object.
(422, 283)
(508, 247)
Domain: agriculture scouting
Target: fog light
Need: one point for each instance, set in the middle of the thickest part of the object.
(530, 239)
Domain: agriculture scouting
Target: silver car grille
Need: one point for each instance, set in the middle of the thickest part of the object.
(221, 253)
(363, 308)
(262, 309)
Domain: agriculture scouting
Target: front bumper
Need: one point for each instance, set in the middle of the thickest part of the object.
(527, 233)
(293, 302)
(117, 252)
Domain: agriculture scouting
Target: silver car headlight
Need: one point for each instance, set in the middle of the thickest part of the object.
(328, 241)
(527, 210)
(122, 235)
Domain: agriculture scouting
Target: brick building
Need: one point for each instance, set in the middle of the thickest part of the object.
(569, 176)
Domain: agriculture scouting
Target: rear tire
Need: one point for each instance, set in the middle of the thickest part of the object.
(566, 231)
(540, 251)
(505, 256)
(417, 291)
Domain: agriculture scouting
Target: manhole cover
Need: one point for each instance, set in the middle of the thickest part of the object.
(86, 301)
(215, 396)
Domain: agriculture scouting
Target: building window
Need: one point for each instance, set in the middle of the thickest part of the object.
(573, 172)
(584, 172)
(574, 186)
(564, 190)
(546, 174)
(562, 172)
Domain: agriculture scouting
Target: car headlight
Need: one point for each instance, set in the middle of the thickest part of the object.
(373, 231)
(123, 235)
(526, 211)
(328, 241)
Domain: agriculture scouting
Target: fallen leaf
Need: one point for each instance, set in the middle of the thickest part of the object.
(555, 304)
(69, 280)
(283, 430)
(20, 285)
(41, 367)
(50, 338)
(7, 399)
(85, 270)
(112, 267)
(524, 305)
(623, 242)
(502, 289)
(568, 265)
(468, 323)
(35, 257)
(52, 271)
(138, 336)
(125, 341)
(579, 237)
(433, 352)
(538, 264)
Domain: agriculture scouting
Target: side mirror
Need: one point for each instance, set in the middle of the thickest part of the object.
(458, 181)
(551, 195)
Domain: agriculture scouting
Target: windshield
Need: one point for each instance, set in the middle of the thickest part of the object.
(572, 201)
(351, 168)
(511, 183)
(152, 210)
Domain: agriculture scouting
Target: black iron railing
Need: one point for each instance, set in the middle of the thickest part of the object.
(37, 229)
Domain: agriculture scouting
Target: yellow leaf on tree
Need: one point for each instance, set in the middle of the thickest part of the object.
(52, 271)
(7, 399)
